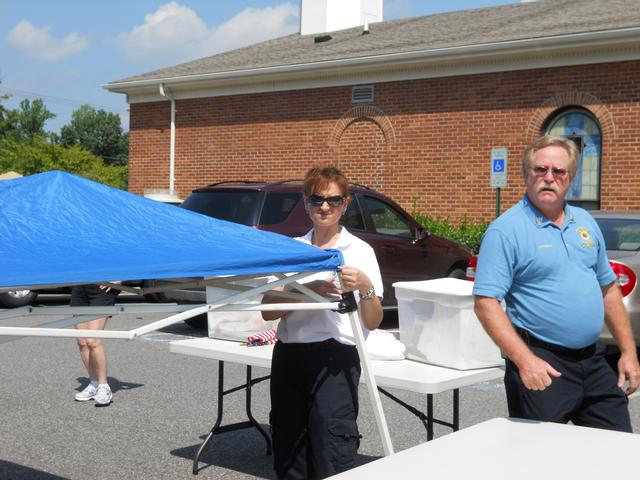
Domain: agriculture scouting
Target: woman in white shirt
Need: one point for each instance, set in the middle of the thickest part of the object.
(315, 368)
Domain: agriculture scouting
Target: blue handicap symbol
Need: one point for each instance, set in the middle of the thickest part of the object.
(498, 165)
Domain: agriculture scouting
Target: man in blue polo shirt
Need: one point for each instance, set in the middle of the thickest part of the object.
(547, 261)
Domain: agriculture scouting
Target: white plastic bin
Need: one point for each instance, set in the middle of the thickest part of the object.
(438, 325)
(236, 325)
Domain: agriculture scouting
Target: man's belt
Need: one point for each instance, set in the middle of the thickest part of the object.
(532, 340)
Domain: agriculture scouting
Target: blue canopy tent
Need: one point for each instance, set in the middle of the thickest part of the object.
(60, 229)
(57, 229)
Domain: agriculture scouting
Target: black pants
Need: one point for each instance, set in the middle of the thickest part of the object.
(586, 394)
(314, 406)
(92, 296)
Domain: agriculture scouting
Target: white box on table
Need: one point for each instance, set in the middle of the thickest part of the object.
(238, 325)
(438, 325)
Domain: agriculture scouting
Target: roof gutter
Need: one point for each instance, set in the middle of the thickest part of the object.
(539, 45)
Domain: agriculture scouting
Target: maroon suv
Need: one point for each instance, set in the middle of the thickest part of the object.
(405, 250)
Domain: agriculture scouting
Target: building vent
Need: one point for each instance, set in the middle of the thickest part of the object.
(362, 94)
(322, 38)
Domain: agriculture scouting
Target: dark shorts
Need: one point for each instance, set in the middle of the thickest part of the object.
(586, 394)
(92, 296)
(314, 406)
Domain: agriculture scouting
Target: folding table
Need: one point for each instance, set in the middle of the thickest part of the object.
(403, 374)
(506, 448)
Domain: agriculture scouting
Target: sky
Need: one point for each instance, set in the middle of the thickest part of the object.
(64, 51)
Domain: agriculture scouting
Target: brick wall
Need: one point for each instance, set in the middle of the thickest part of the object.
(427, 141)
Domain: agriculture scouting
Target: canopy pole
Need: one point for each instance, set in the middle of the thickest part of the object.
(372, 387)
(211, 307)
(64, 332)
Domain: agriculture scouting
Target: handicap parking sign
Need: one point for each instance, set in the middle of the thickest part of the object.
(498, 167)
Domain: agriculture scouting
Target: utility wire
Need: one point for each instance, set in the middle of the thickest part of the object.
(58, 100)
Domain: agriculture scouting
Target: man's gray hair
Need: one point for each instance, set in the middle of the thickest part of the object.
(546, 141)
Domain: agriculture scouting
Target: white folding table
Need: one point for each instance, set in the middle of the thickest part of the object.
(507, 449)
(403, 374)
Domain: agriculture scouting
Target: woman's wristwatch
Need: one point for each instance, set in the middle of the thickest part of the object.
(371, 293)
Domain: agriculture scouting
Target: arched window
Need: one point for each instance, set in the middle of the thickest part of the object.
(581, 127)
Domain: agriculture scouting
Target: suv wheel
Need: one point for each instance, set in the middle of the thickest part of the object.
(457, 273)
(17, 298)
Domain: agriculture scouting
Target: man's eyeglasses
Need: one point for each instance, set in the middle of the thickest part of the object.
(540, 171)
(318, 200)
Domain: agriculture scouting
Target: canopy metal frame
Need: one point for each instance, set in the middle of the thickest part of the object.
(306, 299)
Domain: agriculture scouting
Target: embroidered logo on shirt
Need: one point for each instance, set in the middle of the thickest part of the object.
(545, 245)
(585, 237)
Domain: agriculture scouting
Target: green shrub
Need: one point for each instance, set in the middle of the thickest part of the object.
(37, 155)
(467, 232)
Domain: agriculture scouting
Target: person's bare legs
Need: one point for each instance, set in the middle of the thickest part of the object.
(92, 351)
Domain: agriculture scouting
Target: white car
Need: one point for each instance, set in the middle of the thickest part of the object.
(621, 232)
(17, 298)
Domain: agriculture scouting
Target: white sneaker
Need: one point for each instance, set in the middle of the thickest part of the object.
(87, 394)
(103, 395)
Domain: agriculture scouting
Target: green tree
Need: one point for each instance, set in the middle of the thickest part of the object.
(38, 155)
(7, 119)
(99, 132)
(29, 120)
(3, 116)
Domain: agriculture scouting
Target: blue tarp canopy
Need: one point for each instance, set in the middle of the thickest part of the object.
(57, 228)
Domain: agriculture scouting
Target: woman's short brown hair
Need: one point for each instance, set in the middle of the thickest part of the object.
(318, 178)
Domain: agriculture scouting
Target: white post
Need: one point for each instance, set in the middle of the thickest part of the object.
(372, 387)
(172, 149)
(172, 138)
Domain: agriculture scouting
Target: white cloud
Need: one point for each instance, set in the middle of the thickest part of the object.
(174, 33)
(40, 44)
(252, 25)
(166, 33)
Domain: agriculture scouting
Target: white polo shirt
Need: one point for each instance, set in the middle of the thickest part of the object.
(306, 326)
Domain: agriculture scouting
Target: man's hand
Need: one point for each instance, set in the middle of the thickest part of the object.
(629, 370)
(617, 319)
(536, 373)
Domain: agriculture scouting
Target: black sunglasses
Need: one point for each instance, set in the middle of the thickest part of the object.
(318, 200)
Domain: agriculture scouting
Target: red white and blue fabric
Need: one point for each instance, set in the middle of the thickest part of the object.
(266, 337)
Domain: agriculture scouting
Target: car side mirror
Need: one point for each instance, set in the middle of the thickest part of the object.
(420, 235)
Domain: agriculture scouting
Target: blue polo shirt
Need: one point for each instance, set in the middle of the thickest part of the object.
(549, 277)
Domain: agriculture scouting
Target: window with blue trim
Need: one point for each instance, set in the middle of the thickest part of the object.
(580, 126)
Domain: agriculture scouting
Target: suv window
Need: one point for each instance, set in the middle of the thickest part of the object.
(352, 218)
(386, 220)
(278, 206)
(238, 206)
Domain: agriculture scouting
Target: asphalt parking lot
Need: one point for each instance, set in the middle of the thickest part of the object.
(164, 404)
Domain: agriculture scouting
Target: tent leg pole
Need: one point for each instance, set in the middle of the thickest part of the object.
(372, 387)
(252, 420)
(216, 425)
(429, 416)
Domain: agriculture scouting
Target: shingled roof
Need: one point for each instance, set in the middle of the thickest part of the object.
(508, 23)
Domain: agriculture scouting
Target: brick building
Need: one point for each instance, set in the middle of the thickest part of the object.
(411, 107)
